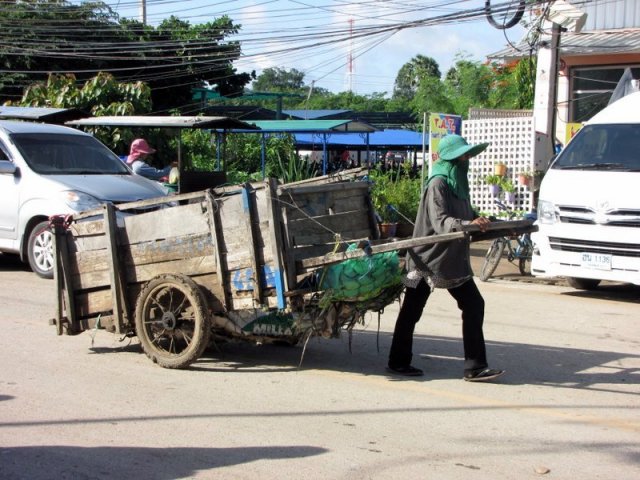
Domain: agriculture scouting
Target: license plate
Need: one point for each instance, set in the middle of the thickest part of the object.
(600, 261)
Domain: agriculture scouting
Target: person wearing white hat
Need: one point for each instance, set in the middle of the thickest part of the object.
(138, 153)
(445, 207)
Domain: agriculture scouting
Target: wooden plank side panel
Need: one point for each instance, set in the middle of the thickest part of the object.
(339, 222)
(328, 237)
(175, 221)
(323, 203)
(91, 268)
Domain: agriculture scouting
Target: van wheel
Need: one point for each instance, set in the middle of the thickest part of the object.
(40, 250)
(583, 283)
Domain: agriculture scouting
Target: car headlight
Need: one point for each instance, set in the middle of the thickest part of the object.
(79, 201)
(546, 212)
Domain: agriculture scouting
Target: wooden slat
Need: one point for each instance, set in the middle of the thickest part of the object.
(320, 238)
(252, 242)
(166, 223)
(354, 220)
(324, 188)
(121, 310)
(277, 242)
(213, 206)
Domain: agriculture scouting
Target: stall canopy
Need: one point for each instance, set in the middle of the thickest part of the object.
(189, 180)
(322, 128)
(223, 123)
(316, 126)
(386, 139)
(42, 114)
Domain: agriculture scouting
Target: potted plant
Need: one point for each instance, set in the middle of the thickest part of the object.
(395, 197)
(524, 178)
(509, 189)
(537, 179)
(500, 169)
(381, 189)
(494, 184)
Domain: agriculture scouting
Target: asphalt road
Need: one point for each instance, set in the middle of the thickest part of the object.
(91, 407)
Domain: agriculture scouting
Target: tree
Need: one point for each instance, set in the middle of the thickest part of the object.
(469, 84)
(99, 96)
(411, 73)
(279, 80)
(88, 38)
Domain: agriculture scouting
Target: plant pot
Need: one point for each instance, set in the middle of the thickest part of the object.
(500, 169)
(404, 230)
(494, 190)
(524, 180)
(388, 230)
(510, 196)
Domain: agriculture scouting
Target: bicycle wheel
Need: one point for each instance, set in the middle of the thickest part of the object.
(524, 265)
(524, 257)
(491, 259)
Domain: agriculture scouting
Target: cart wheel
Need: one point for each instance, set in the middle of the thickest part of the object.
(172, 322)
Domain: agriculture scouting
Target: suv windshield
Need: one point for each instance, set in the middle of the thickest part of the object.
(61, 154)
(602, 147)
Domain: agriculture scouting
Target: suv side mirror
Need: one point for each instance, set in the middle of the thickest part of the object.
(7, 167)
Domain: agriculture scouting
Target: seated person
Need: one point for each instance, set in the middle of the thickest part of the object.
(138, 153)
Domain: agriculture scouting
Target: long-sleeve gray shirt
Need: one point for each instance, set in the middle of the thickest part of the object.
(444, 264)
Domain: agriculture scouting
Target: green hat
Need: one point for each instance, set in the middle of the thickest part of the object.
(454, 146)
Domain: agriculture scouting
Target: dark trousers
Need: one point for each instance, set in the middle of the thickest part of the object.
(471, 303)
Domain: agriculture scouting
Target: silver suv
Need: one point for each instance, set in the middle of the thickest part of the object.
(49, 170)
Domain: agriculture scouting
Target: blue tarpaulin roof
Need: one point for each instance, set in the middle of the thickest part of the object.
(392, 139)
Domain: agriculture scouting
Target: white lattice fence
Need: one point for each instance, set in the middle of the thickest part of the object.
(512, 141)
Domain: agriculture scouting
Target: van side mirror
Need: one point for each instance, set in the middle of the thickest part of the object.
(7, 167)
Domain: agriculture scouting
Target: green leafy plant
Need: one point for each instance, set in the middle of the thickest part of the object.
(506, 185)
(395, 195)
(493, 179)
(292, 167)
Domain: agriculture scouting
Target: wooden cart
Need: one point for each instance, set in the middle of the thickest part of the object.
(240, 261)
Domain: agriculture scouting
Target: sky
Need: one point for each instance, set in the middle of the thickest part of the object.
(345, 45)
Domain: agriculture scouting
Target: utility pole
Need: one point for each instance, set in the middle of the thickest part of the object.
(143, 12)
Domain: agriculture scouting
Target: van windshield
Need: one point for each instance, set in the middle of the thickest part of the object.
(603, 147)
(60, 154)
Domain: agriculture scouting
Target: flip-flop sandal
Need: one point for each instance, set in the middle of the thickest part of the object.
(485, 375)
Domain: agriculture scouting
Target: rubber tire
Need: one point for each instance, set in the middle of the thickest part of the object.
(191, 297)
(524, 265)
(524, 262)
(40, 250)
(491, 259)
(583, 283)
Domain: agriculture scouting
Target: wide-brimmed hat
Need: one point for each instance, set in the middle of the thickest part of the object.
(454, 146)
(140, 145)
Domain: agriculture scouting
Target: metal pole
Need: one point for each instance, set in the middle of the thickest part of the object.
(143, 12)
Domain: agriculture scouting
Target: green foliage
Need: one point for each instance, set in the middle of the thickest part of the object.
(173, 57)
(99, 96)
(279, 80)
(410, 75)
(506, 185)
(293, 168)
(493, 179)
(397, 189)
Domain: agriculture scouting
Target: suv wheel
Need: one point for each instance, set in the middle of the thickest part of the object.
(40, 250)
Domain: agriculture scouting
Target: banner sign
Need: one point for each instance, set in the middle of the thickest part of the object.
(441, 124)
(572, 129)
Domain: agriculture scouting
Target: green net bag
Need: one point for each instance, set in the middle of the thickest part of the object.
(361, 279)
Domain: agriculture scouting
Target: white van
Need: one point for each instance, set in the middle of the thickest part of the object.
(49, 170)
(589, 203)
